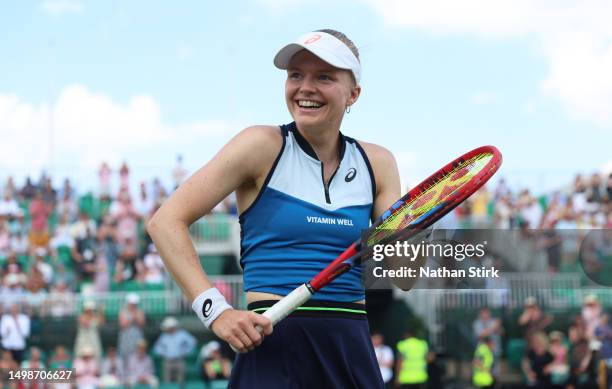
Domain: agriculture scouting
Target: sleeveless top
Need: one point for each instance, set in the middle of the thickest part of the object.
(297, 225)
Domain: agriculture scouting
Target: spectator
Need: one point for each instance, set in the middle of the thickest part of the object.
(87, 370)
(67, 206)
(67, 189)
(531, 211)
(88, 333)
(84, 255)
(35, 294)
(104, 175)
(173, 346)
(49, 195)
(131, 324)
(107, 240)
(144, 203)
(14, 331)
(537, 364)
(501, 189)
(533, 320)
(579, 197)
(62, 275)
(5, 240)
(9, 187)
(581, 353)
(560, 368)
(12, 293)
(83, 227)
(12, 266)
(126, 217)
(60, 358)
(102, 275)
(62, 235)
(34, 361)
(20, 244)
(591, 312)
(112, 369)
(125, 269)
(8, 206)
(154, 266)
(60, 302)
(29, 189)
(35, 279)
(411, 364)
(159, 192)
(124, 178)
(486, 326)
(179, 173)
(594, 191)
(45, 269)
(480, 203)
(39, 214)
(609, 188)
(482, 364)
(7, 363)
(384, 357)
(214, 365)
(603, 333)
(140, 367)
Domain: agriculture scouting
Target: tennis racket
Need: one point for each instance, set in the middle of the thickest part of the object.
(422, 206)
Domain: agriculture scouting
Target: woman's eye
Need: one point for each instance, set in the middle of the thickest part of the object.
(324, 77)
(294, 75)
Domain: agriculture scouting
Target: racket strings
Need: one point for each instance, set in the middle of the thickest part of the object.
(432, 197)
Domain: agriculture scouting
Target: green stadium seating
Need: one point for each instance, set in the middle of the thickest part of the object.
(213, 264)
(515, 351)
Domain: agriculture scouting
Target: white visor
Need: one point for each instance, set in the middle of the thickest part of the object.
(325, 46)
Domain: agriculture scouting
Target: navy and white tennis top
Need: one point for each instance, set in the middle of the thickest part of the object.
(297, 225)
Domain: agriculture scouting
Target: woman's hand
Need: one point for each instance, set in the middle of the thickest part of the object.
(238, 329)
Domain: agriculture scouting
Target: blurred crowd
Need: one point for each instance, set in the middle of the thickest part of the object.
(128, 362)
(586, 204)
(55, 242)
(578, 356)
(52, 242)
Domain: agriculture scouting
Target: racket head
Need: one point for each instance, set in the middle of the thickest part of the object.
(430, 200)
(436, 196)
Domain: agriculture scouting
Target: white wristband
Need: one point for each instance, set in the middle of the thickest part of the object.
(209, 305)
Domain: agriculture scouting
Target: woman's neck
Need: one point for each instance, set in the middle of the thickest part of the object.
(324, 143)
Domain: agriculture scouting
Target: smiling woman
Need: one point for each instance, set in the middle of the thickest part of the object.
(296, 217)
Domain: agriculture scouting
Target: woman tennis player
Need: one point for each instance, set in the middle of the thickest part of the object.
(305, 191)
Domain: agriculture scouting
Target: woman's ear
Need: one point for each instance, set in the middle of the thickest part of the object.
(355, 92)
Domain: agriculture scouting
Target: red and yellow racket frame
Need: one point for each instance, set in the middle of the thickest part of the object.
(448, 198)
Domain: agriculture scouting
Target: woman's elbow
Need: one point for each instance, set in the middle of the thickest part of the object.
(152, 225)
(160, 222)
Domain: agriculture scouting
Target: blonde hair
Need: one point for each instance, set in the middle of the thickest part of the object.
(343, 38)
(541, 338)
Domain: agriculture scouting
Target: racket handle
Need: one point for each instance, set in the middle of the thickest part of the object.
(286, 305)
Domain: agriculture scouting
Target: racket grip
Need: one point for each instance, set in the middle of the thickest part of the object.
(285, 306)
(288, 304)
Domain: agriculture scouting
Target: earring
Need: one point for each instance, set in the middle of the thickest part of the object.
(348, 109)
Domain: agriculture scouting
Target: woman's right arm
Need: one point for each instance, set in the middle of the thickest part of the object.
(241, 165)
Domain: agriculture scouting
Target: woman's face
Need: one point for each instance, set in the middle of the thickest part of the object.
(317, 93)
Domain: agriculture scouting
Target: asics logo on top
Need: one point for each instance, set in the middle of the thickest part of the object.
(350, 175)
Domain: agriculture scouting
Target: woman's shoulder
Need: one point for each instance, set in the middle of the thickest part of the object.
(264, 134)
(377, 154)
(255, 144)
